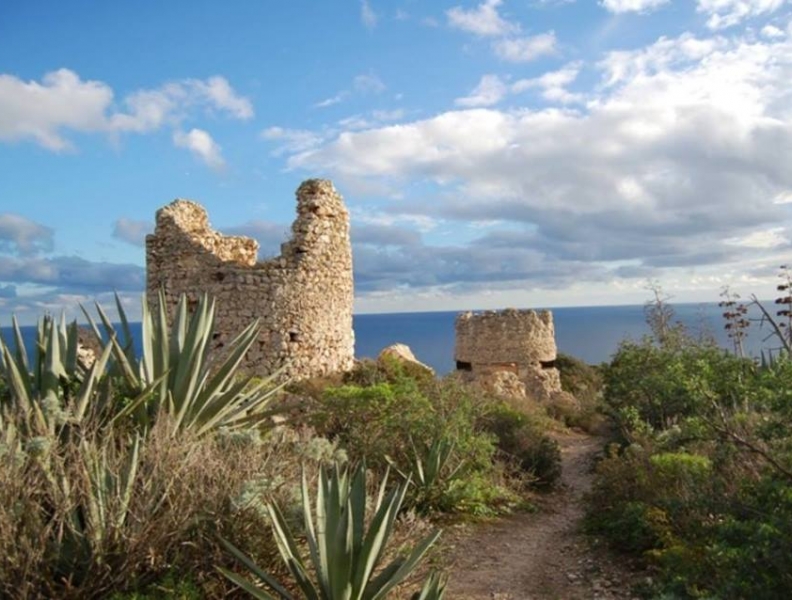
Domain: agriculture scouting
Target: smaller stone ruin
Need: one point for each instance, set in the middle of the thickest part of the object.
(509, 352)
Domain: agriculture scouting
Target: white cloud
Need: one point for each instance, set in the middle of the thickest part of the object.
(292, 140)
(356, 122)
(151, 109)
(526, 49)
(374, 118)
(148, 111)
(553, 84)
(686, 145)
(663, 55)
(771, 31)
(339, 97)
(30, 305)
(490, 90)
(19, 235)
(726, 13)
(369, 84)
(367, 15)
(201, 144)
(63, 102)
(131, 231)
(388, 115)
(783, 197)
(483, 20)
(422, 223)
(768, 238)
(41, 110)
(71, 274)
(219, 94)
(365, 83)
(623, 6)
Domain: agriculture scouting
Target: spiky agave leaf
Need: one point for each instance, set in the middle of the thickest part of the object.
(434, 588)
(175, 374)
(343, 552)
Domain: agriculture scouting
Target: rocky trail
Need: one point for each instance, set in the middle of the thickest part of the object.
(542, 555)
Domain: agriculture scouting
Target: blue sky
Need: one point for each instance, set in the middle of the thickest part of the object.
(495, 153)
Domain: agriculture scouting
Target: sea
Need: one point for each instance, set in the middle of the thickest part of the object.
(590, 333)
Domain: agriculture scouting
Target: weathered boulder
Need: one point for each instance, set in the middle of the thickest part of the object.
(562, 405)
(403, 354)
(541, 384)
(89, 348)
(503, 384)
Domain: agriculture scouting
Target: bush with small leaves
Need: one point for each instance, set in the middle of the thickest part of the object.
(524, 443)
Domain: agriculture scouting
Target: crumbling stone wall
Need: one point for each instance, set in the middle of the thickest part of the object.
(521, 342)
(303, 297)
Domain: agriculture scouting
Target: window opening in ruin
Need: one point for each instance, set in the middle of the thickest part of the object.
(294, 336)
(463, 366)
(547, 364)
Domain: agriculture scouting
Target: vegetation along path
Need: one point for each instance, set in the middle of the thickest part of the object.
(542, 555)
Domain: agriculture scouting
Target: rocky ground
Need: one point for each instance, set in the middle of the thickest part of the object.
(542, 555)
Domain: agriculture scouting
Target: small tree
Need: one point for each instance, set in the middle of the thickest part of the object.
(660, 317)
(737, 323)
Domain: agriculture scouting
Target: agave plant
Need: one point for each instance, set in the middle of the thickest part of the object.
(434, 588)
(175, 373)
(51, 387)
(95, 485)
(431, 468)
(344, 554)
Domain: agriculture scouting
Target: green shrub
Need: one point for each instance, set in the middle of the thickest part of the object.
(586, 383)
(398, 423)
(701, 487)
(479, 495)
(433, 469)
(375, 423)
(366, 372)
(642, 503)
(661, 387)
(752, 544)
(524, 443)
(582, 380)
(170, 587)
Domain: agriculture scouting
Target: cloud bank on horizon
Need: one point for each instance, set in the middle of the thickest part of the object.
(492, 153)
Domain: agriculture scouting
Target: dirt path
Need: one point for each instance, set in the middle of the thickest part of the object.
(543, 555)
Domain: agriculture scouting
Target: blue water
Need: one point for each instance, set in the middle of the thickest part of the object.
(592, 334)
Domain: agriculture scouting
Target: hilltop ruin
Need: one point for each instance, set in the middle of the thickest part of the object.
(303, 297)
(509, 351)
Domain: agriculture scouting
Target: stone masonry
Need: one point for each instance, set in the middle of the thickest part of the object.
(303, 297)
(520, 342)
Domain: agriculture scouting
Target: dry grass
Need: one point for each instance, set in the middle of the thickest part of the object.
(186, 491)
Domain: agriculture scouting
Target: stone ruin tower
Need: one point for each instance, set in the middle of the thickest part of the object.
(303, 297)
(509, 351)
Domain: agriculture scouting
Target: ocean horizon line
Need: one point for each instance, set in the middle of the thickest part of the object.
(590, 333)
